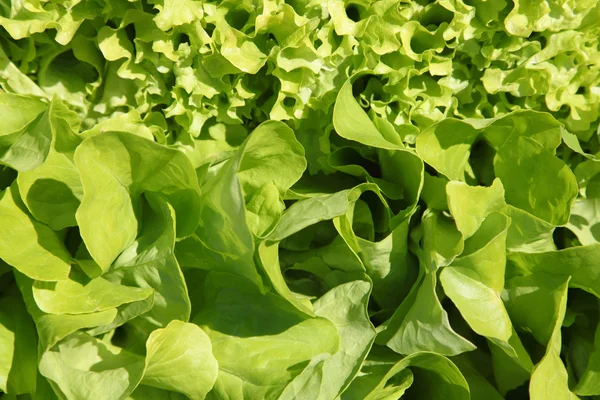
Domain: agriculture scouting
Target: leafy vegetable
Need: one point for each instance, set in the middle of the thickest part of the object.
(325, 200)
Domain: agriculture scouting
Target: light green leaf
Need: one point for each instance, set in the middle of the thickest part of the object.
(116, 168)
(271, 154)
(52, 328)
(320, 208)
(150, 263)
(346, 307)
(24, 139)
(264, 209)
(528, 233)
(179, 358)
(173, 13)
(585, 216)
(485, 252)
(580, 263)
(352, 123)
(433, 377)
(541, 127)
(53, 191)
(222, 239)
(18, 355)
(537, 303)
(421, 324)
(81, 366)
(82, 295)
(446, 147)
(234, 317)
(480, 305)
(535, 180)
(442, 242)
(28, 245)
(470, 205)
(268, 252)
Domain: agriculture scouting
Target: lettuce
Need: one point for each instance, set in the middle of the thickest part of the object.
(342, 199)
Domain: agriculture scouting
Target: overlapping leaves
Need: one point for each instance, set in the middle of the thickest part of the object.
(320, 200)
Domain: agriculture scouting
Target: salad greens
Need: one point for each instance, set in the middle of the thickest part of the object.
(332, 199)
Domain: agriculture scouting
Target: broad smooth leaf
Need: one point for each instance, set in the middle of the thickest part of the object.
(346, 307)
(446, 147)
(82, 295)
(352, 123)
(550, 185)
(421, 324)
(580, 263)
(28, 245)
(53, 191)
(81, 366)
(470, 205)
(547, 295)
(150, 263)
(113, 185)
(234, 316)
(18, 356)
(431, 376)
(179, 358)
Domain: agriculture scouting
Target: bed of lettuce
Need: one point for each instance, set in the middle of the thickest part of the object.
(311, 199)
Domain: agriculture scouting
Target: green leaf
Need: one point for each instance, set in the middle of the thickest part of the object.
(381, 260)
(352, 123)
(488, 318)
(346, 307)
(53, 191)
(421, 324)
(18, 355)
(179, 358)
(143, 392)
(550, 185)
(28, 245)
(82, 295)
(271, 154)
(114, 182)
(470, 205)
(580, 263)
(24, 139)
(14, 80)
(81, 366)
(547, 295)
(234, 316)
(446, 147)
(150, 263)
(588, 383)
(479, 386)
(432, 376)
(319, 208)
(511, 362)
